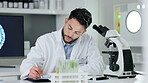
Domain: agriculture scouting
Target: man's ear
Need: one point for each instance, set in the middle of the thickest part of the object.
(66, 20)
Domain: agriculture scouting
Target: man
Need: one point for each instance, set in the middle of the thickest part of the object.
(70, 42)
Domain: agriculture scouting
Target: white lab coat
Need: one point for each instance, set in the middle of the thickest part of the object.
(49, 48)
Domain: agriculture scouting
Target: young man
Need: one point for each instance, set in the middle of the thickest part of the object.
(70, 42)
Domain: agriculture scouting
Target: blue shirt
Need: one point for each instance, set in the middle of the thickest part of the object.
(68, 48)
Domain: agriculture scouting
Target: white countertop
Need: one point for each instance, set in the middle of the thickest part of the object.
(137, 79)
(15, 72)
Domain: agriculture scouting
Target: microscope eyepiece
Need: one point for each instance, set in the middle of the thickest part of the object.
(95, 26)
(102, 30)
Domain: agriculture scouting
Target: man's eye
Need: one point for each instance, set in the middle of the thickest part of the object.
(69, 28)
(77, 33)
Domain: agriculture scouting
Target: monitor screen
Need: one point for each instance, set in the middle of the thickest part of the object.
(11, 36)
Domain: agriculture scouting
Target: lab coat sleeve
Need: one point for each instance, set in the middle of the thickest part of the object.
(95, 64)
(34, 58)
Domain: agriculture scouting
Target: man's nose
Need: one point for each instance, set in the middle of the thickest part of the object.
(71, 34)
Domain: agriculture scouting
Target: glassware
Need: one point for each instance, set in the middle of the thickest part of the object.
(67, 66)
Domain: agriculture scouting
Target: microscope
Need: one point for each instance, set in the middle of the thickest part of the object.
(120, 59)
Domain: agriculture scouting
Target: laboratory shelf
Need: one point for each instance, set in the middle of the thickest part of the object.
(32, 11)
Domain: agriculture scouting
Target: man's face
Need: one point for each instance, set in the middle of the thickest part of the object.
(72, 30)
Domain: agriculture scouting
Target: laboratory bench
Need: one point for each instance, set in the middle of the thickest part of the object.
(137, 79)
(11, 75)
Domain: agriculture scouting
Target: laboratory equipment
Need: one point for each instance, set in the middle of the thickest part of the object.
(69, 77)
(2, 36)
(67, 71)
(12, 35)
(120, 60)
(131, 24)
(67, 66)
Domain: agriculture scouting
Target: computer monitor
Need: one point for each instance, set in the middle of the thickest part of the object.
(12, 28)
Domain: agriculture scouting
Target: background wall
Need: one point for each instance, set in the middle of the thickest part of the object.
(37, 25)
(145, 40)
(94, 7)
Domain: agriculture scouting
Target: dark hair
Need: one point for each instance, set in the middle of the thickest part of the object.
(82, 15)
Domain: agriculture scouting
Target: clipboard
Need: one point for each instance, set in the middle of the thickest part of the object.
(38, 80)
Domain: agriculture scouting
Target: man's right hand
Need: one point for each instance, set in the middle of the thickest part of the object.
(35, 72)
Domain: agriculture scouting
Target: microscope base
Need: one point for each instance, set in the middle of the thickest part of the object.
(130, 76)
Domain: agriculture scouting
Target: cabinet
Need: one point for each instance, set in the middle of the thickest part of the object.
(9, 74)
(4, 78)
(38, 21)
(54, 7)
(32, 11)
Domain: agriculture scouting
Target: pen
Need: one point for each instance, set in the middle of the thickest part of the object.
(41, 76)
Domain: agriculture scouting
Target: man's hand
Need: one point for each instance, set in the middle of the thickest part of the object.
(35, 72)
(54, 71)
